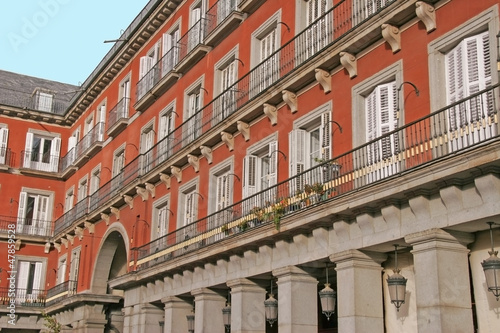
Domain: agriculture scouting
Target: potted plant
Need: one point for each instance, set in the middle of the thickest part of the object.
(243, 225)
(225, 229)
(278, 212)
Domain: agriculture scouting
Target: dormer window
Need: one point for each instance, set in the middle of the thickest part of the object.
(43, 101)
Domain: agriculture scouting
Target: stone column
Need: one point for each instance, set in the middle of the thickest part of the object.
(442, 280)
(297, 301)
(247, 307)
(142, 318)
(91, 318)
(208, 311)
(176, 311)
(359, 291)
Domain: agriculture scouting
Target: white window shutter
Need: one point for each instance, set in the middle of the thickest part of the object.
(55, 149)
(326, 136)
(37, 276)
(4, 135)
(21, 210)
(23, 274)
(143, 66)
(28, 150)
(43, 208)
(273, 163)
(297, 153)
(249, 175)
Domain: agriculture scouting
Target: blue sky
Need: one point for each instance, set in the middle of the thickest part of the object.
(61, 40)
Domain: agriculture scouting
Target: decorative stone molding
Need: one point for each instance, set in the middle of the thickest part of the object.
(194, 161)
(207, 153)
(115, 211)
(46, 248)
(151, 188)
(70, 238)
(142, 192)
(427, 14)
(105, 218)
(392, 36)
(244, 129)
(58, 247)
(177, 172)
(290, 99)
(129, 201)
(65, 242)
(165, 179)
(228, 139)
(17, 244)
(79, 232)
(323, 78)
(272, 113)
(350, 63)
(90, 227)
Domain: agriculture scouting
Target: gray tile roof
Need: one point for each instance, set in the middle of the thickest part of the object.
(19, 90)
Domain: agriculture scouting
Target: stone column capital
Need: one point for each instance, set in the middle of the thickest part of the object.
(435, 237)
(243, 285)
(361, 259)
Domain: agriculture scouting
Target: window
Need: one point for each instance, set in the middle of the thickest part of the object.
(34, 214)
(147, 142)
(146, 74)
(30, 280)
(42, 152)
(310, 145)
(74, 270)
(69, 200)
(161, 217)
(225, 76)
(260, 166)
(362, 9)
(43, 101)
(265, 41)
(118, 164)
(318, 31)
(72, 142)
(124, 93)
(192, 117)
(61, 269)
(165, 127)
(89, 124)
(468, 71)
(196, 25)
(188, 204)
(170, 50)
(95, 179)
(4, 135)
(82, 188)
(101, 121)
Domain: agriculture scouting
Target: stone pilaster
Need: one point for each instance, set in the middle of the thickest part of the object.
(297, 301)
(208, 311)
(247, 307)
(442, 280)
(176, 311)
(359, 291)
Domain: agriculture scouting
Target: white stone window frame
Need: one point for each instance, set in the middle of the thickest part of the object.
(158, 204)
(437, 49)
(43, 260)
(84, 180)
(63, 259)
(221, 168)
(184, 191)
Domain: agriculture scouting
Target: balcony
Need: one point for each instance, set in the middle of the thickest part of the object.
(6, 158)
(118, 117)
(62, 290)
(89, 145)
(26, 226)
(33, 161)
(72, 215)
(158, 80)
(465, 125)
(23, 297)
(249, 6)
(191, 47)
(222, 19)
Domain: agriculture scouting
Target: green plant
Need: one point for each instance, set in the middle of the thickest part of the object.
(318, 188)
(243, 225)
(51, 323)
(278, 212)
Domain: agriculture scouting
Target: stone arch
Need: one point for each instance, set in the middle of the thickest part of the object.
(111, 260)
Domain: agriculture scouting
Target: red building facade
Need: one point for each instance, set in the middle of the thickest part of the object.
(224, 148)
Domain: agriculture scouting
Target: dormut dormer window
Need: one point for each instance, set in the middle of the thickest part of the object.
(43, 100)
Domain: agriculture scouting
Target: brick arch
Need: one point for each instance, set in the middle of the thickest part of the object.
(111, 260)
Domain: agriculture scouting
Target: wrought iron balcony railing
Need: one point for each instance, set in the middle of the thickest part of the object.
(118, 116)
(84, 146)
(23, 297)
(41, 162)
(218, 13)
(72, 215)
(26, 226)
(65, 289)
(460, 126)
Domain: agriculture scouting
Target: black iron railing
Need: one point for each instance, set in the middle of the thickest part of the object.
(23, 297)
(25, 226)
(65, 289)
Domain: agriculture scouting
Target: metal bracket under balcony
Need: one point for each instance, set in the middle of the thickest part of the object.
(224, 28)
(192, 58)
(68, 172)
(249, 6)
(117, 127)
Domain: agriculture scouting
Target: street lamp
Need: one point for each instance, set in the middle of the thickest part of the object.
(190, 321)
(491, 268)
(397, 284)
(226, 315)
(327, 297)
(271, 307)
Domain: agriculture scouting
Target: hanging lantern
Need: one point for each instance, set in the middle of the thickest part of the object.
(397, 284)
(190, 321)
(271, 308)
(226, 314)
(327, 297)
(491, 268)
